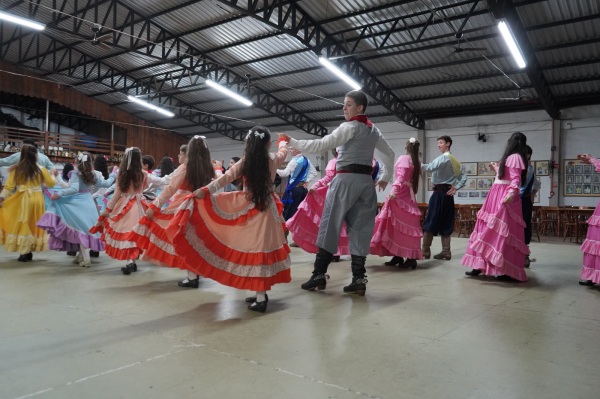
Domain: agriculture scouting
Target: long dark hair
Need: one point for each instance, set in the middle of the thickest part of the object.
(134, 175)
(85, 168)
(200, 170)
(413, 150)
(27, 169)
(101, 166)
(166, 166)
(67, 169)
(517, 144)
(255, 167)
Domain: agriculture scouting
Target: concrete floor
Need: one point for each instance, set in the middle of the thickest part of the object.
(70, 332)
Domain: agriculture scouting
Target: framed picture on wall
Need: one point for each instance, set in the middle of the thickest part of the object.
(536, 199)
(485, 183)
(429, 185)
(484, 169)
(580, 180)
(473, 194)
(471, 184)
(462, 194)
(469, 168)
(484, 194)
(541, 168)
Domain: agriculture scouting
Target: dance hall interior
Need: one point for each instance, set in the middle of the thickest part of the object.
(152, 244)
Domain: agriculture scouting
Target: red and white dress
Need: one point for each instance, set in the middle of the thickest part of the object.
(225, 238)
(304, 225)
(398, 229)
(591, 245)
(125, 209)
(151, 235)
(497, 244)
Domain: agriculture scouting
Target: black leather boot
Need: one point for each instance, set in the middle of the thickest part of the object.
(359, 282)
(318, 279)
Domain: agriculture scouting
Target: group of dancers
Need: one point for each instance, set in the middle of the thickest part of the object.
(238, 238)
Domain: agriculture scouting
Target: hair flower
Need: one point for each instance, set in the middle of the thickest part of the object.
(412, 140)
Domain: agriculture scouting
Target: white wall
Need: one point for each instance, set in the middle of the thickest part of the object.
(582, 135)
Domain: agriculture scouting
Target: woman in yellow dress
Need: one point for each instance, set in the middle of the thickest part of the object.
(22, 205)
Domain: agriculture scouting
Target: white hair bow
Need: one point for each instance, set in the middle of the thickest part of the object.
(412, 140)
(256, 133)
(82, 157)
(128, 156)
(196, 137)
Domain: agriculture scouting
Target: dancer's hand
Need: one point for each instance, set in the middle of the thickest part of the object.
(381, 184)
(199, 193)
(54, 197)
(508, 199)
(585, 158)
(284, 137)
(150, 213)
(452, 191)
(391, 196)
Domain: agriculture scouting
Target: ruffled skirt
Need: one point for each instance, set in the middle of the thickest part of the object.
(117, 228)
(223, 237)
(497, 244)
(398, 229)
(68, 220)
(18, 217)
(304, 225)
(591, 249)
(151, 236)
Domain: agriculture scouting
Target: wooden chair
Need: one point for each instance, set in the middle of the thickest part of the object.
(466, 220)
(535, 223)
(549, 220)
(569, 224)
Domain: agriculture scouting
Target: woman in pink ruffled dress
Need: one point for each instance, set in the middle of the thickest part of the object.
(398, 229)
(590, 273)
(304, 225)
(497, 245)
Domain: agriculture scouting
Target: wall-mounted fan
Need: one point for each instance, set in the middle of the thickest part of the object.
(521, 96)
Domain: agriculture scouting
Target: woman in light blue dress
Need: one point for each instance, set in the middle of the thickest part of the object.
(73, 212)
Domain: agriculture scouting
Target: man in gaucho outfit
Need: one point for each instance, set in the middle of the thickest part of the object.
(351, 197)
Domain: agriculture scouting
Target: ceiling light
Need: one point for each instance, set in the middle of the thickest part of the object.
(512, 44)
(150, 106)
(228, 92)
(21, 21)
(340, 74)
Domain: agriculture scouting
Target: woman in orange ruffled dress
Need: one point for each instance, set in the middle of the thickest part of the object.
(237, 238)
(150, 234)
(124, 211)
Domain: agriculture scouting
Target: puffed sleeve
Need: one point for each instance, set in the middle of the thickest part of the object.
(177, 179)
(513, 167)
(402, 170)
(596, 163)
(329, 174)
(47, 178)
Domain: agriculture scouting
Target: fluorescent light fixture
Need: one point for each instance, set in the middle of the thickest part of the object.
(228, 92)
(339, 73)
(150, 106)
(512, 44)
(21, 21)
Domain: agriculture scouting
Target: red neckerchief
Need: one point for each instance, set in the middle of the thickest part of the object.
(362, 119)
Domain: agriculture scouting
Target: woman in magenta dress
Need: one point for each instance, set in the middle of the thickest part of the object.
(398, 229)
(304, 225)
(590, 273)
(497, 244)
(237, 238)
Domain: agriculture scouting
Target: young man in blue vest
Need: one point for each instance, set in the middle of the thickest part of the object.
(299, 172)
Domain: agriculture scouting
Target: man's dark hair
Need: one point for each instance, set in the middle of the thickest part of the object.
(359, 98)
(529, 151)
(148, 160)
(447, 139)
(30, 142)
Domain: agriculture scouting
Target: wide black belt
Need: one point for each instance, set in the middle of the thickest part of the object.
(442, 187)
(356, 168)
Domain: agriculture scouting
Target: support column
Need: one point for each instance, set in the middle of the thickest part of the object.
(555, 158)
(47, 126)
(423, 156)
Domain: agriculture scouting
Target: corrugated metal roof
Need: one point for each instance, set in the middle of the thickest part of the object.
(433, 73)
